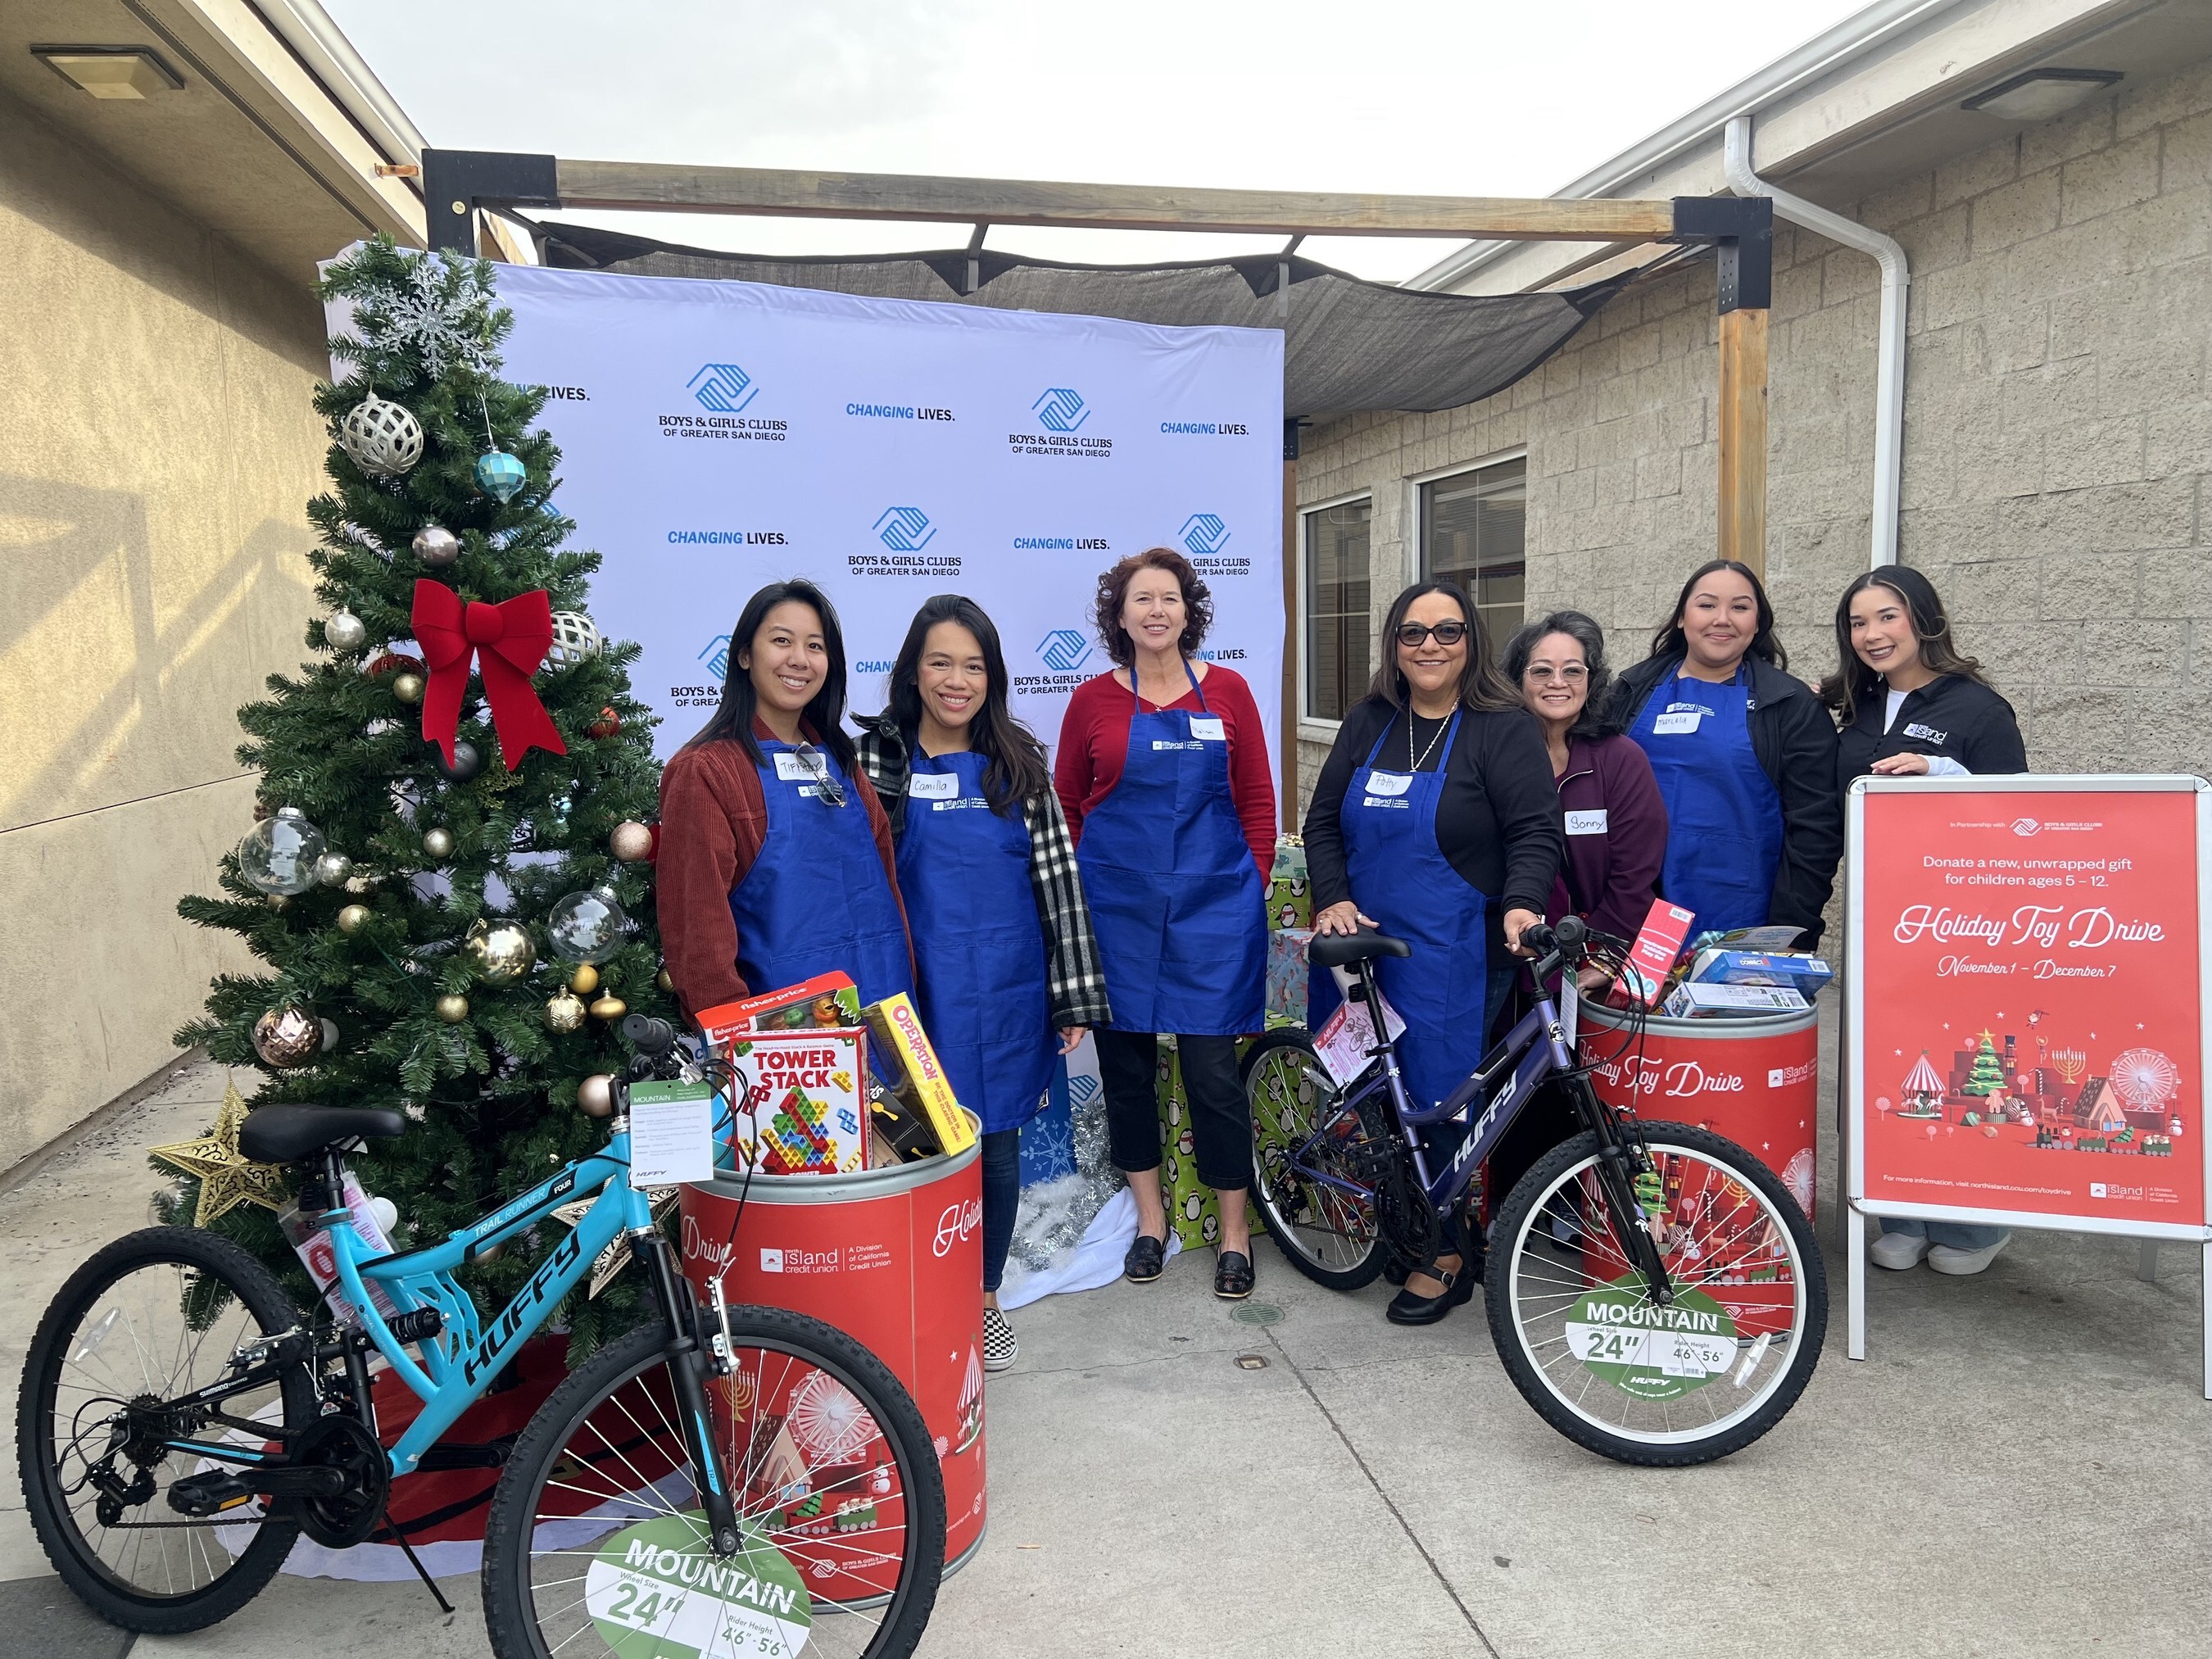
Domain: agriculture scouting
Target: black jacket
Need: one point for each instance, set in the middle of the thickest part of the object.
(1951, 716)
(1498, 819)
(1794, 743)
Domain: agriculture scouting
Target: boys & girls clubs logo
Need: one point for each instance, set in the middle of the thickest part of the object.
(1061, 413)
(723, 392)
(905, 533)
(1203, 537)
(1066, 654)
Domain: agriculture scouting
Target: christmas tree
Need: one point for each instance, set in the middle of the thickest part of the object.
(451, 834)
(1987, 1076)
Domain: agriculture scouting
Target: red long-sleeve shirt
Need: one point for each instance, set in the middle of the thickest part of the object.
(1094, 739)
(714, 821)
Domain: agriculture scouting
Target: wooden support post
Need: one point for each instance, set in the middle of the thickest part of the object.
(1743, 437)
(1292, 646)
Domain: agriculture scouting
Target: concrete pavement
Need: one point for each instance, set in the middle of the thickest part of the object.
(2020, 1469)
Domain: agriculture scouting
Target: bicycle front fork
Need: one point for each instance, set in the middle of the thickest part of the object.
(1620, 1169)
(689, 1366)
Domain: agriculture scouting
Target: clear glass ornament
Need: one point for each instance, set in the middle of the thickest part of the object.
(586, 926)
(279, 855)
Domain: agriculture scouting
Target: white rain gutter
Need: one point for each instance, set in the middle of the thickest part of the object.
(322, 48)
(1889, 349)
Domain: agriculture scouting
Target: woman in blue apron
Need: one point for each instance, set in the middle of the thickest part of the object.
(1435, 821)
(1162, 772)
(775, 861)
(1003, 946)
(1745, 756)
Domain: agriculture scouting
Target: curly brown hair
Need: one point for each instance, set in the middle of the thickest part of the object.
(1113, 591)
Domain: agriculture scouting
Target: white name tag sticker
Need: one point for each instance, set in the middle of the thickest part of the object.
(1586, 823)
(1675, 722)
(934, 786)
(1208, 727)
(792, 769)
(1388, 783)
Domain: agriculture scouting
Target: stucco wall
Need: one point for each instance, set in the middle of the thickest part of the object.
(154, 467)
(2057, 432)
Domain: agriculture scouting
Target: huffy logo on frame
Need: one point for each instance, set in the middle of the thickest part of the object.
(723, 388)
(1204, 532)
(1061, 410)
(1063, 650)
(905, 529)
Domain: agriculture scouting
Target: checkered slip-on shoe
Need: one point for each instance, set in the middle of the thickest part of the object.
(999, 1348)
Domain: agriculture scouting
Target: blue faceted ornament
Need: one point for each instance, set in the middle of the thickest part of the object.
(499, 474)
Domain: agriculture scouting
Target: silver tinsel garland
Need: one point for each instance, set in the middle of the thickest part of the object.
(1055, 1214)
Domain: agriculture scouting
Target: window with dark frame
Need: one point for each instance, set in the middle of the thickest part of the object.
(1474, 536)
(1337, 660)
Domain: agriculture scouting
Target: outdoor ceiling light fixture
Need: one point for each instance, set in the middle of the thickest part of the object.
(2039, 95)
(111, 71)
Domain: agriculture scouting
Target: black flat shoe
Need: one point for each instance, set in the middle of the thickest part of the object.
(1147, 1261)
(1232, 1276)
(1396, 1270)
(1408, 1309)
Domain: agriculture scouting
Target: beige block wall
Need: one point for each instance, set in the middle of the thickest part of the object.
(156, 461)
(2058, 433)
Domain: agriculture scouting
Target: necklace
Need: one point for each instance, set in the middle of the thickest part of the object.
(1412, 765)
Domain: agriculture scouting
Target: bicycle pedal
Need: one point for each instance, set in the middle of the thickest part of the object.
(208, 1494)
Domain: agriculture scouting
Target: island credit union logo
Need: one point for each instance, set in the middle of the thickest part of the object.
(1064, 650)
(1061, 410)
(723, 388)
(1204, 532)
(905, 529)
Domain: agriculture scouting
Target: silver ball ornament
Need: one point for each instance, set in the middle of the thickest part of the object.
(383, 438)
(333, 870)
(343, 631)
(586, 926)
(385, 1211)
(438, 843)
(595, 1096)
(630, 841)
(279, 854)
(436, 546)
(468, 760)
(330, 1035)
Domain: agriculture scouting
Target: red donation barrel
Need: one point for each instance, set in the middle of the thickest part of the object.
(893, 1257)
(1753, 1080)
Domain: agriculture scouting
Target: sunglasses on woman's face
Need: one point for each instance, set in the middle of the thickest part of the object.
(1415, 635)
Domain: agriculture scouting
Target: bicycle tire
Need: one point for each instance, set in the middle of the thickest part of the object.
(1521, 1255)
(1271, 1097)
(94, 1582)
(509, 1610)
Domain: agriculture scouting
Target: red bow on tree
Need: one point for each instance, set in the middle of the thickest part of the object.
(509, 641)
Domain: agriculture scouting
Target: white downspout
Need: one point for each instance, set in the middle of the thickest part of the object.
(1889, 358)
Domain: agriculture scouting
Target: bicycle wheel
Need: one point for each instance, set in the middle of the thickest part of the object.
(150, 1318)
(1328, 1233)
(596, 1543)
(1602, 1362)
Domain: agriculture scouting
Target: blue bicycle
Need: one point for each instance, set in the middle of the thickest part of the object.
(722, 1480)
(1653, 1290)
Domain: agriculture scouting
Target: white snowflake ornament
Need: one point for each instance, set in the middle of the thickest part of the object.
(434, 319)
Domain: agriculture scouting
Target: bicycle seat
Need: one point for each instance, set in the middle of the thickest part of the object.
(1342, 950)
(292, 1134)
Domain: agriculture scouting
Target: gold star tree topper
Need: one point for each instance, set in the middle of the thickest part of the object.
(227, 1177)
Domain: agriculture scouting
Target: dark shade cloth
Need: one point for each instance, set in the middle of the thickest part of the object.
(1610, 878)
(1348, 344)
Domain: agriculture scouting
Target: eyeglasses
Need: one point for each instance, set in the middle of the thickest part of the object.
(1568, 674)
(817, 764)
(1415, 635)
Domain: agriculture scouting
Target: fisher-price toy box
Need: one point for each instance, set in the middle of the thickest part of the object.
(804, 1110)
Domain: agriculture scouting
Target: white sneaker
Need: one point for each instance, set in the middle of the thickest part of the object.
(1947, 1259)
(1899, 1251)
(999, 1348)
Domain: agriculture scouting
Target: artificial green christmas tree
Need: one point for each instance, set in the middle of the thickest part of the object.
(1987, 1076)
(443, 930)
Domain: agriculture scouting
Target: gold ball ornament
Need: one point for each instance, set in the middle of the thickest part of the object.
(438, 843)
(333, 870)
(408, 688)
(563, 1013)
(353, 919)
(630, 841)
(287, 1037)
(585, 980)
(665, 980)
(595, 1096)
(278, 901)
(502, 952)
(610, 1008)
(452, 1008)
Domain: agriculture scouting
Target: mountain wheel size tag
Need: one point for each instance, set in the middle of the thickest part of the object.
(1624, 1338)
(657, 1591)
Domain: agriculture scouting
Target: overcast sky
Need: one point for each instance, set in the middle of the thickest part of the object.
(1461, 97)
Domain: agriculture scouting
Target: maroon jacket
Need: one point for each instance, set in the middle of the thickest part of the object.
(1613, 860)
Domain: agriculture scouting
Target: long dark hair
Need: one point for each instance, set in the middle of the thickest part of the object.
(1853, 680)
(1113, 591)
(1592, 723)
(824, 711)
(1014, 770)
(1669, 641)
(1480, 685)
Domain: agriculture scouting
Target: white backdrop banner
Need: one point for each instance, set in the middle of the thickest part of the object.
(717, 435)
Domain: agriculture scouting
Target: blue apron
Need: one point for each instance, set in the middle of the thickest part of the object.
(1398, 875)
(1182, 922)
(978, 946)
(1724, 816)
(816, 898)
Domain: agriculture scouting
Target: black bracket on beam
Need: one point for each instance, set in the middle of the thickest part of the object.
(1741, 229)
(457, 182)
